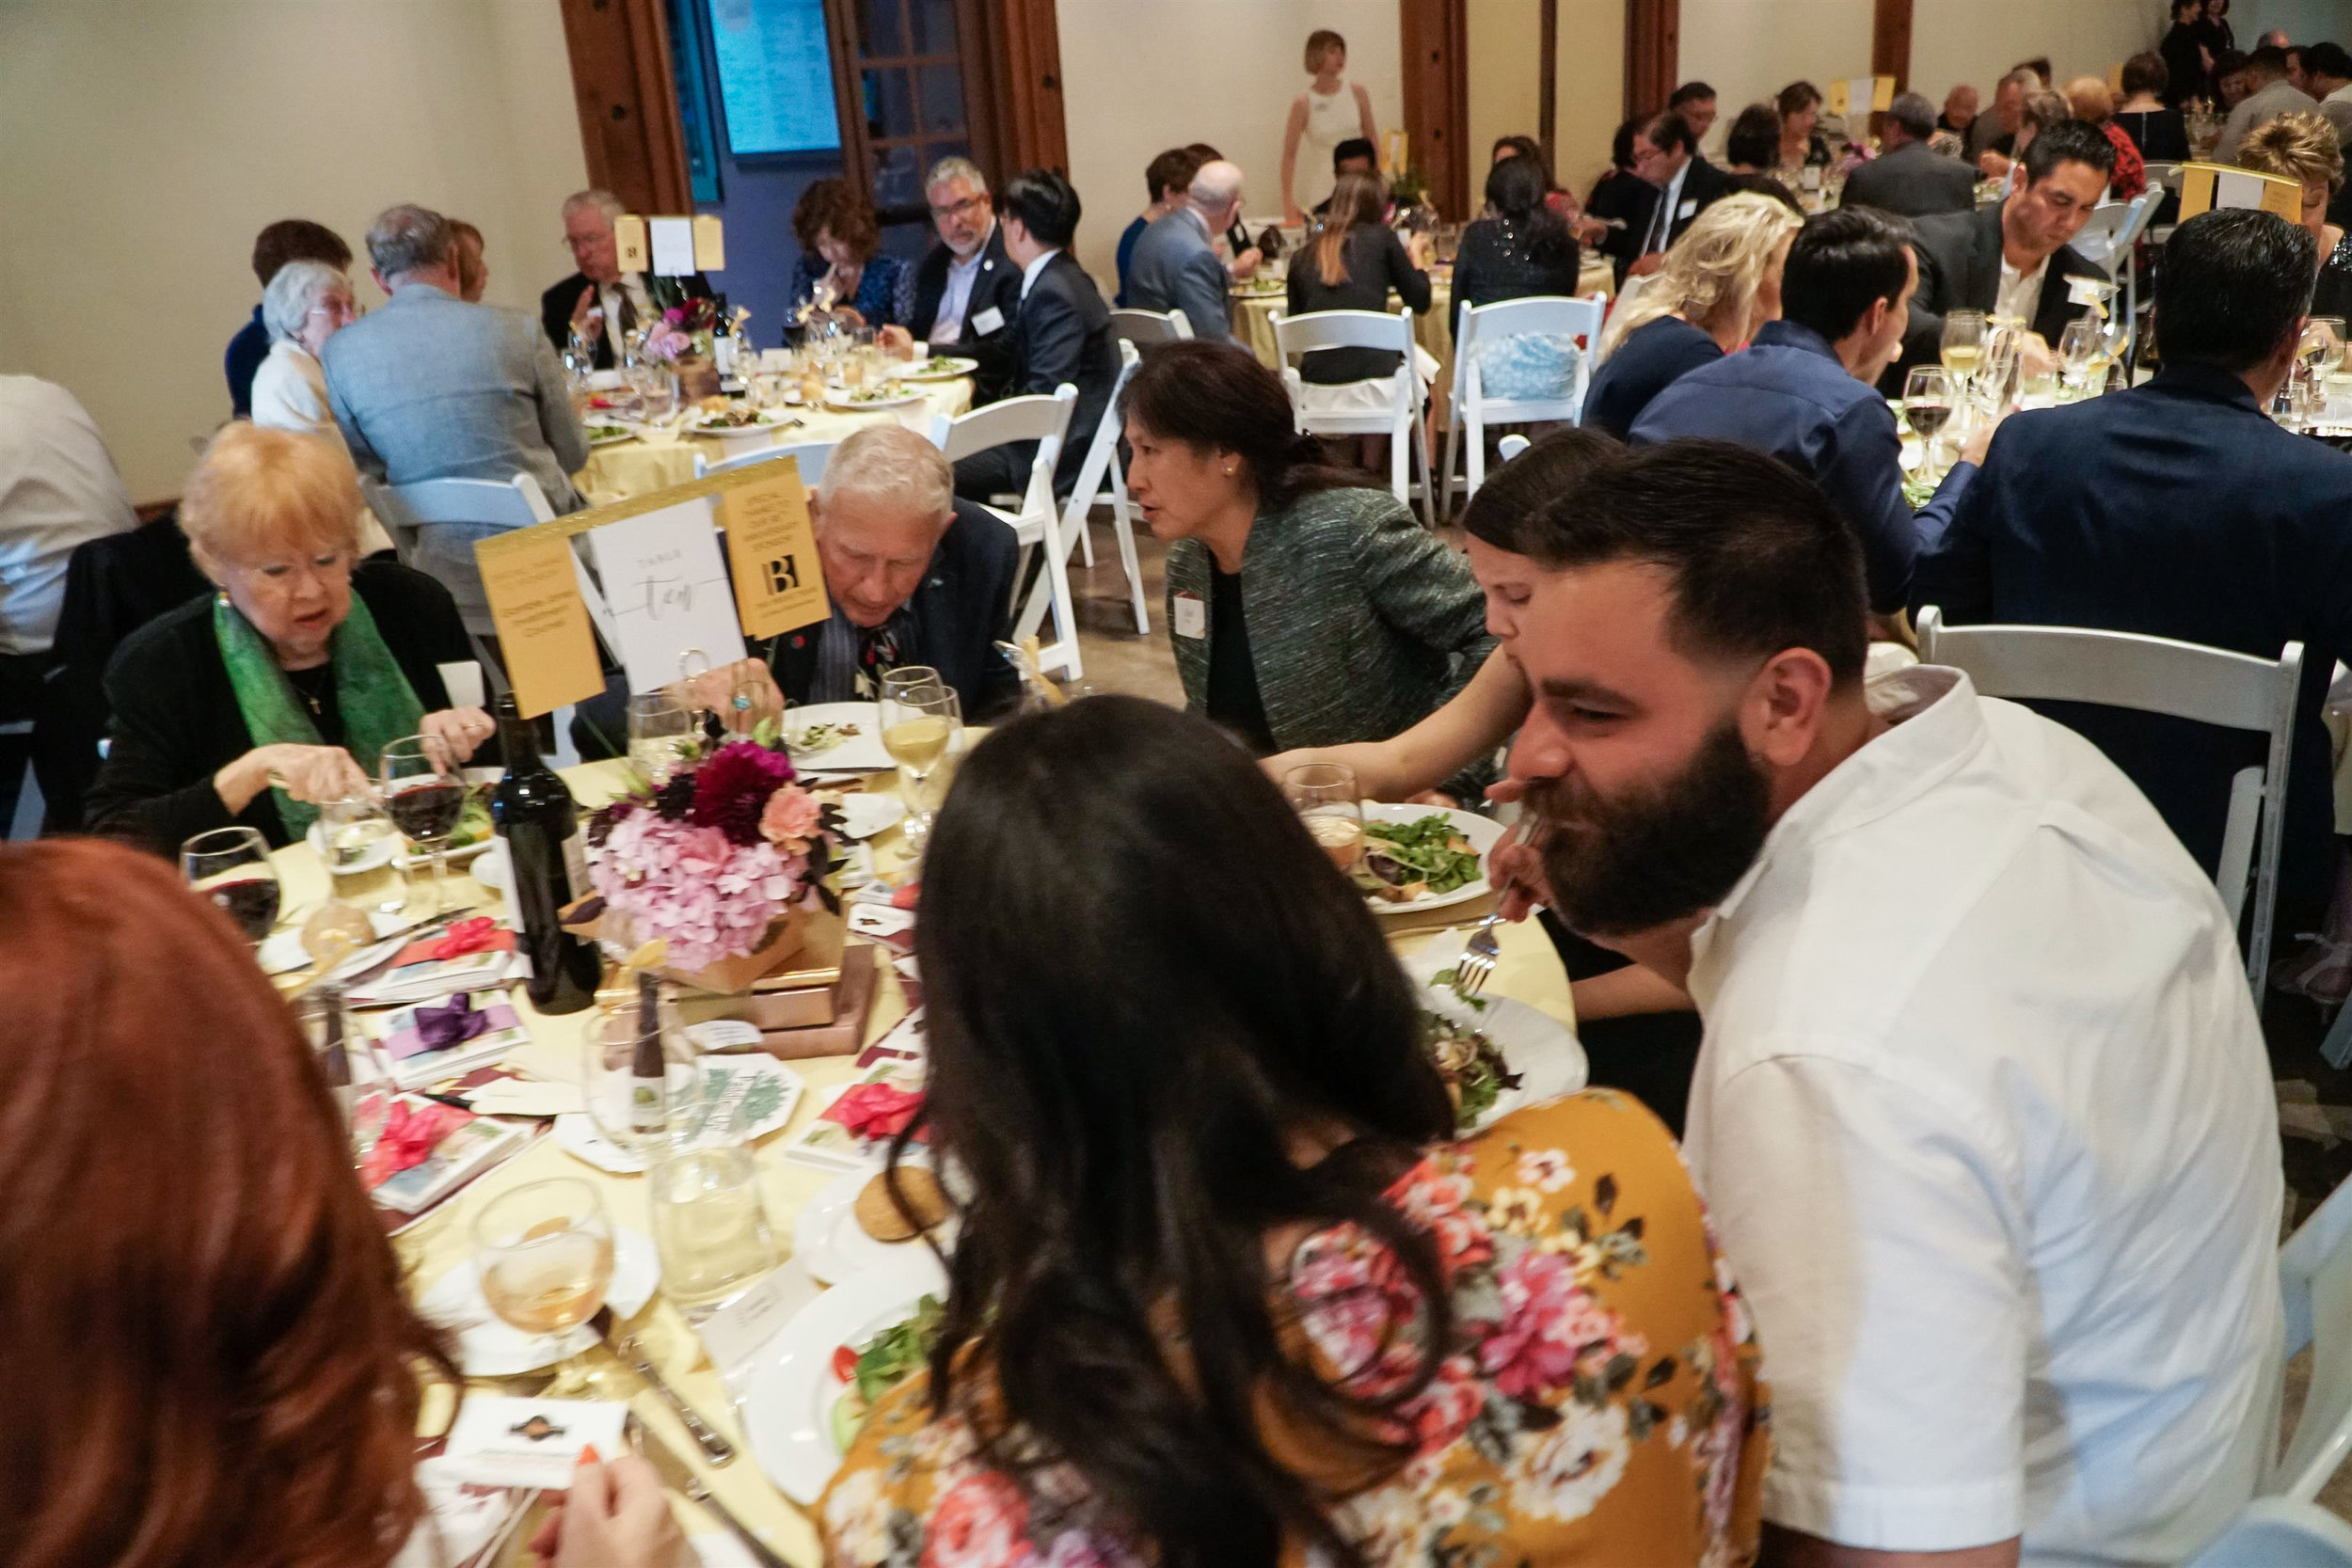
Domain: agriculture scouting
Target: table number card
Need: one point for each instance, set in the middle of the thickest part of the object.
(533, 585)
(667, 590)
(779, 584)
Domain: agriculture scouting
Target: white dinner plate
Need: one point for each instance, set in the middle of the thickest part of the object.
(488, 1346)
(283, 953)
(413, 860)
(1483, 832)
(1543, 1050)
(788, 1411)
(841, 398)
(951, 367)
(860, 753)
(863, 816)
(832, 1247)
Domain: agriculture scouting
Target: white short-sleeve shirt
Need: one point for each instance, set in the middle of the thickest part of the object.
(1986, 1127)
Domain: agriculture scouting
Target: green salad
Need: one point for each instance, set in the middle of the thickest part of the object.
(608, 432)
(880, 1364)
(1403, 860)
(1473, 1065)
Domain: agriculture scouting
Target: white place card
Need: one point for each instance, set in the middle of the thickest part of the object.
(734, 1336)
(535, 1443)
(668, 593)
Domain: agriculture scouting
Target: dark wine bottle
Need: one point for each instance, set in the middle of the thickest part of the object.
(534, 814)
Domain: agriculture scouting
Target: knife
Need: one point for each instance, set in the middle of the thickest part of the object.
(633, 1355)
(679, 1477)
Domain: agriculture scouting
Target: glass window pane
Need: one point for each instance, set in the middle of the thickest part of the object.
(889, 103)
(934, 26)
(898, 177)
(882, 28)
(942, 98)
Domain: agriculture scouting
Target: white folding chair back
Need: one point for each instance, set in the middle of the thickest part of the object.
(1630, 289)
(2273, 1532)
(2167, 175)
(1038, 523)
(2113, 228)
(1400, 421)
(811, 456)
(1097, 474)
(434, 522)
(1473, 410)
(2315, 1284)
(2157, 674)
(1145, 328)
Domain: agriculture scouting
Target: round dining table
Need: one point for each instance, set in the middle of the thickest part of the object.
(1528, 970)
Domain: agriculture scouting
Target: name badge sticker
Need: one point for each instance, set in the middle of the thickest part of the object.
(986, 322)
(1192, 616)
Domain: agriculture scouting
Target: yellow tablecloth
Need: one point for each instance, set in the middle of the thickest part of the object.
(1528, 970)
(635, 467)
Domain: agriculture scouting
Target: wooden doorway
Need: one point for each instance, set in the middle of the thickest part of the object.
(1433, 38)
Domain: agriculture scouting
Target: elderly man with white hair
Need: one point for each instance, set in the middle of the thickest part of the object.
(600, 302)
(967, 290)
(1175, 265)
(306, 303)
(914, 577)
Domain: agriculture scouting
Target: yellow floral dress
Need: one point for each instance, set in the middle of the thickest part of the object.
(1601, 1403)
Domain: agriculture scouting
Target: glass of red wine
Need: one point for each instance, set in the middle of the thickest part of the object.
(424, 795)
(231, 867)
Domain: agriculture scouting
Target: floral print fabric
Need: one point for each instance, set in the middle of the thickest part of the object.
(1600, 1402)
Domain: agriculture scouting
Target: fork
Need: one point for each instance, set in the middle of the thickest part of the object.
(1477, 962)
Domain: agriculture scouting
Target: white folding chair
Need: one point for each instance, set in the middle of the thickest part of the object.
(2157, 674)
(2273, 1532)
(1630, 289)
(1038, 523)
(2315, 1285)
(1473, 410)
(2112, 228)
(1099, 473)
(1145, 328)
(811, 456)
(1400, 421)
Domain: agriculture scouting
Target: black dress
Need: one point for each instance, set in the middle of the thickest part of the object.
(2161, 135)
(1502, 259)
(1650, 359)
(176, 722)
(2184, 66)
(2333, 297)
(1376, 262)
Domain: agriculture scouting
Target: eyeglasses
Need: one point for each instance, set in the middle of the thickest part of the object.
(957, 210)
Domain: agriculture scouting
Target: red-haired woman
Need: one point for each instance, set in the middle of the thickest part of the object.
(209, 1358)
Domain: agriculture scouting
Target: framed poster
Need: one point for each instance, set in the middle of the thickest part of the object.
(776, 76)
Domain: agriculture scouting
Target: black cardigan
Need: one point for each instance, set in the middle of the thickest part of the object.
(176, 723)
(1376, 262)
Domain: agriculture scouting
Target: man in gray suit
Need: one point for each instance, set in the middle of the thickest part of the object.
(1909, 179)
(431, 388)
(1176, 268)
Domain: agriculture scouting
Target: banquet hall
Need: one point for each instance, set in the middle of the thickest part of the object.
(1585, 803)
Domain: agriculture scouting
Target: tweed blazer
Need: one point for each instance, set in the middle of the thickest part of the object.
(1361, 621)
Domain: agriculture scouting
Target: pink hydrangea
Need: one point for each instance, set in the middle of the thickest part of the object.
(709, 899)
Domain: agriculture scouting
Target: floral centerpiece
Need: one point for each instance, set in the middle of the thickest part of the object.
(720, 863)
(682, 340)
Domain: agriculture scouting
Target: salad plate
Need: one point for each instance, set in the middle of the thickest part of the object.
(864, 399)
(793, 1409)
(938, 367)
(1495, 1053)
(837, 737)
(1421, 858)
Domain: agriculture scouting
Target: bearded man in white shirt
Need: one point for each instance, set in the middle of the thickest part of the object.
(1982, 1117)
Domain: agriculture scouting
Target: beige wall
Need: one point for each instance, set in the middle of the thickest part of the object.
(145, 141)
(1978, 40)
(1505, 92)
(1139, 76)
(1748, 49)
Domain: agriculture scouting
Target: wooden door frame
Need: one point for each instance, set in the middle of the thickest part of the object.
(1433, 50)
(1653, 54)
(627, 94)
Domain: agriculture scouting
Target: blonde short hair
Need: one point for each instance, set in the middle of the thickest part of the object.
(1713, 273)
(258, 493)
(2090, 99)
(2301, 147)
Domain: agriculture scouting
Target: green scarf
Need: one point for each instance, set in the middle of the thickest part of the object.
(378, 704)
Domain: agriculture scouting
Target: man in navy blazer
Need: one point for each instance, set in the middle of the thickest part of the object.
(1176, 267)
(2179, 510)
(1063, 334)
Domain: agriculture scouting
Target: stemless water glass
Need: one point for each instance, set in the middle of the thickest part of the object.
(1928, 404)
(231, 867)
(661, 733)
(656, 389)
(920, 718)
(545, 1253)
(1963, 346)
(1330, 802)
(363, 854)
(709, 1226)
(424, 796)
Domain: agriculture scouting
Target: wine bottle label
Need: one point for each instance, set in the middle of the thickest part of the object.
(576, 866)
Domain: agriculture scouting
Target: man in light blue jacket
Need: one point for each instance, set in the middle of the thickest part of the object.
(1176, 268)
(428, 386)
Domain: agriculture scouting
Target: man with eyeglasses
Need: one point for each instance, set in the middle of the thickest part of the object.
(966, 292)
(600, 302)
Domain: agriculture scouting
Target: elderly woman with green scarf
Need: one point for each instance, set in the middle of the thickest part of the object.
(259, 702)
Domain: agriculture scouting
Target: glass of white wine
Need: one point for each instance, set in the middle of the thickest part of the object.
(2323, 346)
(545, 1251)
(920, 718)
(1928, 404)
(1330, 802)
(1963, 346)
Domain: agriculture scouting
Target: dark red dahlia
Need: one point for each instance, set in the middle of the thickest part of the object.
(731, 789)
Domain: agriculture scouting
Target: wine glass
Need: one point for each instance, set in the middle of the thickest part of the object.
(661, 733)
(657, 391)
(1963, 346)
(425, 796)
(2080, 353)
(632, 1106)
(2323, 346)
(231, 867)
(544, 1254)
(1992, 387)
(1928, 404)
(1329, 801)
(920, 717)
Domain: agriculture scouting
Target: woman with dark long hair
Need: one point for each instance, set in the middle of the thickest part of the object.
(1521, 249)
(209, 1357)
(1226, 1290)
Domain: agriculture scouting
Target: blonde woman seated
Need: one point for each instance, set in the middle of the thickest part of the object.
(306, 303)
(1720, 282)
(253, 705)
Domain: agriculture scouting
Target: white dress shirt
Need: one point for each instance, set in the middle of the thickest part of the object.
(59, 489)
(2020, 295)
(1661, 223)
(1028, 273)
(631, 286)
(1986, 1127)
(948, 327)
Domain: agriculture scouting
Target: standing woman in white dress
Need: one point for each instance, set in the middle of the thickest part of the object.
(1327, 113)
(306, 303)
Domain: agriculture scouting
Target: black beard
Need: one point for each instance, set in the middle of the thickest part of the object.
(1660, 853)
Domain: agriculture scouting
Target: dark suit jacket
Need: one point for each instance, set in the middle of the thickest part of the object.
(1912, 182)
(997, 286)
(1065, 335)
(1960, 269)
(2177, 510)
(557, 303)
(962, 610)
(1703, 185)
